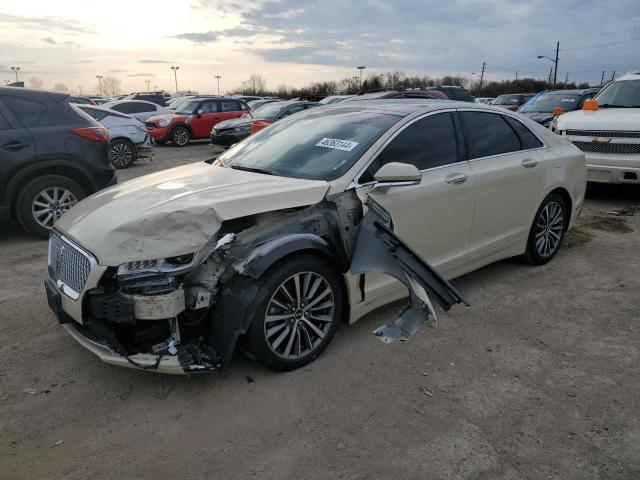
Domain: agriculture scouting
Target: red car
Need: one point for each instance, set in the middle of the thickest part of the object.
(194, 119)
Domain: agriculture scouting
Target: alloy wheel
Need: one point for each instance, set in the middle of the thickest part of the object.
(299, 315)
(549, 229)
(120, 155)
(181, 137)
(50, 204)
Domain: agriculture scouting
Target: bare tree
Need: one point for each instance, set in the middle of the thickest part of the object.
(111, 86)
(256, 84)
(35, 82)
(60, 87)
(282, 91)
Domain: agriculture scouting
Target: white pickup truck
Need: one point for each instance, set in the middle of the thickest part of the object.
(608, 132)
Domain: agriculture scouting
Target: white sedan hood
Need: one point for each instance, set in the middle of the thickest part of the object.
(624, 119)
(177, 211)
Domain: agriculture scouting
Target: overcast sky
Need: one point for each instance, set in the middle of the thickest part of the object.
(295, 42)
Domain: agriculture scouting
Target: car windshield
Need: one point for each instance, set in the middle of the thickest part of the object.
(268, 111)
(187, 107)
(623, 93)
(314, 145)
(546, 102)
(507, 100)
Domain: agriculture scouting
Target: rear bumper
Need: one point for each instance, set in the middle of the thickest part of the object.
(603, 168)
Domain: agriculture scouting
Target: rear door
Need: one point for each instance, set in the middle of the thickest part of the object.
(510, 177)
(229, 109)
(17, 148)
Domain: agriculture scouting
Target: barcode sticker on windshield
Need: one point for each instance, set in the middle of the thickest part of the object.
(337, 144)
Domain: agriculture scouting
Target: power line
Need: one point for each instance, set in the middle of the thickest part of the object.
(603, 44)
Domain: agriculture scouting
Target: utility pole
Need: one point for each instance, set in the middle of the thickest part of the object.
(613, 77)
(175, 76)
(148, 82)
(16, 70)
(555, 70)
(566, 79)
(218, 77)
(99, 77)
(602, 78)
(550, 73)
(481, 76)
(361, 68)
(517, 76)
(80, 89)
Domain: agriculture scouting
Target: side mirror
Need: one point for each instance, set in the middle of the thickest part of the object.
(590, 105)
(199, 113)
(396, 172)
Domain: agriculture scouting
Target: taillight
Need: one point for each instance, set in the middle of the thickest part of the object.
(97, 134)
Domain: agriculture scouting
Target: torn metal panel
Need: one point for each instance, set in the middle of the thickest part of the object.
(379, 249)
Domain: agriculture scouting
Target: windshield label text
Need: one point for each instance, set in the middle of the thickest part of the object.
(337, 144)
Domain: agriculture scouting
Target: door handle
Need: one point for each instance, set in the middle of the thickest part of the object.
(456, 178)
(529, 163)
(15, 145)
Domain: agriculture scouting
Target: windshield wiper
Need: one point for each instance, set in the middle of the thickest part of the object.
(265, 171)
(608, 105)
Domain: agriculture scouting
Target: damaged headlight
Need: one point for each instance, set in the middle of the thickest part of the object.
(175, 265)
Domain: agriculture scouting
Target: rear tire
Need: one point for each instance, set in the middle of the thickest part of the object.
(291, 330)
(122, 153)
(547, 230)
(180, 136)
(43, 200)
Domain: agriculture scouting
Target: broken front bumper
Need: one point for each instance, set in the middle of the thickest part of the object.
(145, 148)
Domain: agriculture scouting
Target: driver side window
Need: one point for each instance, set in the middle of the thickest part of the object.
(209, 107)
(427, 143)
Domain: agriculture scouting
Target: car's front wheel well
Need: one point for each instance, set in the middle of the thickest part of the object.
(568, 204)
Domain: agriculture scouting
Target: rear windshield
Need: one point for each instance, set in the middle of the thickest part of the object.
(507, 100)
(546, 102)
(312, 145)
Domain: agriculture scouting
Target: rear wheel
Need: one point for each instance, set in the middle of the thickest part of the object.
(547, 231)
(180, 136)
(298, 308)
(42, 201)
(122, 153)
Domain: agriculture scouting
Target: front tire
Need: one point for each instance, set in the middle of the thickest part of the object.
(180, 136)
(42, 201)
(547, 230)
(122, 153)
(299, 305)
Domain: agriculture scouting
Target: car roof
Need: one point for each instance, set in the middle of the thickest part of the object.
(629, 76)
(576, 91)
(406, 106)
(128, 100)
(33, 93)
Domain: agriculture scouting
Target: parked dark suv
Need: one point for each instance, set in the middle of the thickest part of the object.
(157, 98)
(51, 156)
(454, 92)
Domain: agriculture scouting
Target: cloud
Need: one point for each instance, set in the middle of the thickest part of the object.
(141, 75)
(155, 61)
(198, 37)
(48, 40)
(46, 23)
(119, 70)
(82, 61)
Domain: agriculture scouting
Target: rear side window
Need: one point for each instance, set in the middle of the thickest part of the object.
(123, 108)
(144, 107)
(97, 114)
(229, 106)
(527, 138)
(488, 134)
(427, 143)
(28, 112)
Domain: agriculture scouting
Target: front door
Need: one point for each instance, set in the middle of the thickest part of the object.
(205, 117)
(434, 217)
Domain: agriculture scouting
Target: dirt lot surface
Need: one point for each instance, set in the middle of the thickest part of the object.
(538, 379)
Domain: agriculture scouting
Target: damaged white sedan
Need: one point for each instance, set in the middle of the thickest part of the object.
(317, 219)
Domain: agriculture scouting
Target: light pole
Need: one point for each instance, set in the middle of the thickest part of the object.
(555, 63)
(175, 76)
(80, 89)
(16, 70)
(148, 82)
(99, 77)
(218, 77)
(244, 88)
(361, 68)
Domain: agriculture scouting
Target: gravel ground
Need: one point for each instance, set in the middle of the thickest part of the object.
(538, 379)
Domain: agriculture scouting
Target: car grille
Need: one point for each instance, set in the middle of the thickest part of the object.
(619, 148)
(67, 263)
(603, 133)
(150, 124)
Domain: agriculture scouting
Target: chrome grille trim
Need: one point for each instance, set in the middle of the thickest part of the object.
(603, 133)
(615, 148)
(69, 265)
